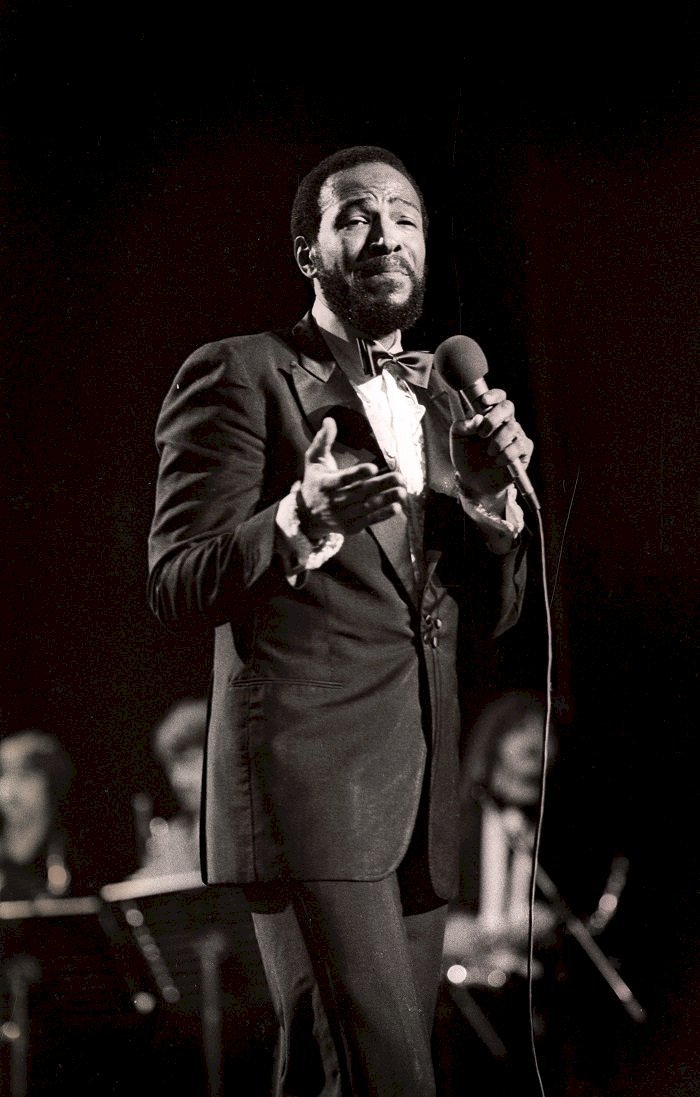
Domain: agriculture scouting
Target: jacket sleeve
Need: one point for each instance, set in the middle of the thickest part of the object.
(497, 588)
(508, 568)
(513, 575)
(212, 537)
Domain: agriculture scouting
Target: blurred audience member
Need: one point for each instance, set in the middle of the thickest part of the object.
(171, 846)
(200, 1041)
(35, 772)
(487, 929)
(65, 1011)
(483, 1027)
(482, 1023)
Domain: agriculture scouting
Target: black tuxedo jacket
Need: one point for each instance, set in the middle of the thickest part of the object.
(331, 700)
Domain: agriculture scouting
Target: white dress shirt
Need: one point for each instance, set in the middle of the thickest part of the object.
(395, 415)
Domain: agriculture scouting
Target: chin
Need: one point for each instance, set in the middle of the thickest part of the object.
(376, 310)
(388, 302)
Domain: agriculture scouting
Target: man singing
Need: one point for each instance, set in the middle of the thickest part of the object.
(325, 506)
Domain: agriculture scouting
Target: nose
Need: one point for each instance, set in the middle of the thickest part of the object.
(384, 237)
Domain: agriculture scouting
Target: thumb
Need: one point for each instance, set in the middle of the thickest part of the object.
(322, 443)
(464, 428)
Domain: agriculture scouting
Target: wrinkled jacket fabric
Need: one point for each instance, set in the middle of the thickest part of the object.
(334, 699)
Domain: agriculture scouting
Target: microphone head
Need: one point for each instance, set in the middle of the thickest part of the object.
(460, 361)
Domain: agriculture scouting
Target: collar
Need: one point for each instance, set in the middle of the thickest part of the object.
(310, 343)
(341, 339)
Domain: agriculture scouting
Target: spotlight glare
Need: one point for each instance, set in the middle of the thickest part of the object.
(457, 974)
(144, 1002)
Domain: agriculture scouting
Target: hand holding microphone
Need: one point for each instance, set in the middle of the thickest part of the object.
(489, 449)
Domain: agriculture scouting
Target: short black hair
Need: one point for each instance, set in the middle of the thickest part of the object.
(306, 215)
(500, 715)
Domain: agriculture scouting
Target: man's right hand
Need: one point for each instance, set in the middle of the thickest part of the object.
(346, 500)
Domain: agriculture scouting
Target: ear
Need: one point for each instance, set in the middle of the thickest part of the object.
(303, 254)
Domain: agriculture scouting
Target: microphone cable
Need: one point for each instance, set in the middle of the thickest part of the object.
(540, 809)
(548, 600)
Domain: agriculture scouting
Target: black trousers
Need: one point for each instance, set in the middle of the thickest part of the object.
(353, 969)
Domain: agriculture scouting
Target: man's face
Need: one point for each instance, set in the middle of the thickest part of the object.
(368, 260)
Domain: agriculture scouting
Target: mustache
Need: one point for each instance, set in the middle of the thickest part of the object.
(381, 264)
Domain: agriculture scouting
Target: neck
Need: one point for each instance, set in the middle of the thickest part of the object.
(21, 844)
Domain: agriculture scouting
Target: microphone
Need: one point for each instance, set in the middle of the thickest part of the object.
(462, 364)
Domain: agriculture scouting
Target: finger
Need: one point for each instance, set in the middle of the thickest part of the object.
(357, 508)
(492, 397)
(466, 428)
(322, 442)
(508, 447)
(495, 418)
(526, 452)
(358, 491)
(356, 474)
(379, 515)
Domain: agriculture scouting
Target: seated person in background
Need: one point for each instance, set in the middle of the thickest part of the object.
(171, 847)
(35, 772)
(482, 1028)
(483, 1024)
(219, 940)
(487, 929)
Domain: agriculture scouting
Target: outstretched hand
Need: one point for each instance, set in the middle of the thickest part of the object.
(482, 448)
(346, 500)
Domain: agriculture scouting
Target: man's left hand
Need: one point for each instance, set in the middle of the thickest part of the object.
(482, 448)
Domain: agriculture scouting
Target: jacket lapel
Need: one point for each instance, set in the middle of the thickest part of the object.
(441, 409)
(392, 537)
(323, 389)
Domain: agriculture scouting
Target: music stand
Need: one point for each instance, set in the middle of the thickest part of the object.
(493, 972)
(185, 932)
(59, 976)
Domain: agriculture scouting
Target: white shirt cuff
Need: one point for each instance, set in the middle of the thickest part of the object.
(298, 553)
(500, 533)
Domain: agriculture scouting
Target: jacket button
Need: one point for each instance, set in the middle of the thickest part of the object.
(438, 623)
(435, 641)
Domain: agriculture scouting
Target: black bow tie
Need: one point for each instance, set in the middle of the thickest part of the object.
(412, 366)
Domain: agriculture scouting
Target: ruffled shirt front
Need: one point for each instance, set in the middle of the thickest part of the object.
(395, 415)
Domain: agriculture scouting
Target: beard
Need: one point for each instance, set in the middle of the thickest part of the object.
(374, 316)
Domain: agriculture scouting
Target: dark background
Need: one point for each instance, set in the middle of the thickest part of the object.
(149, 167)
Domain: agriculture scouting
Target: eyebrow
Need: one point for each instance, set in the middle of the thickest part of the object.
(365, 201)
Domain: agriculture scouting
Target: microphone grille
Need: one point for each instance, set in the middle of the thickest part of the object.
(460, 361)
